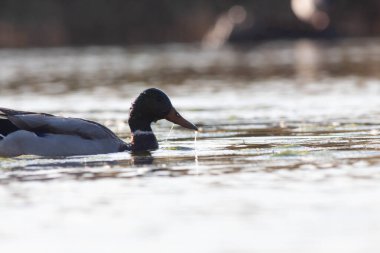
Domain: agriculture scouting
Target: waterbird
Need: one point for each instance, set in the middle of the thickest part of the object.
(42, 134)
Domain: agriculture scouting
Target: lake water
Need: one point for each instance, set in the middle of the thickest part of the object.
(287, 159)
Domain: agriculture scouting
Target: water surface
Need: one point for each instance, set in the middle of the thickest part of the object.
(287, 159)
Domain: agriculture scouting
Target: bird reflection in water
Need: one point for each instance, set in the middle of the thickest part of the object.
(141, 158)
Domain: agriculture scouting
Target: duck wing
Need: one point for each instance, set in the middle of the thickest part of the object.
(42, 123)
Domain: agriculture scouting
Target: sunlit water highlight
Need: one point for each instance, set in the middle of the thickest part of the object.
(287, 159)
(195, 153)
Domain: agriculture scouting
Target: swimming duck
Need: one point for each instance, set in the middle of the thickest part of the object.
(30, 133)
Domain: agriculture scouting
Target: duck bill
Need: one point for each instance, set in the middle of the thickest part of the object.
(176, 118)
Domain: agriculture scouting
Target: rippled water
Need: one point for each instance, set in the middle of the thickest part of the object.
(287, 159)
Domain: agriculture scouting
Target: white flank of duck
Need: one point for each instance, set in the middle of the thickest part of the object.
(61, 137)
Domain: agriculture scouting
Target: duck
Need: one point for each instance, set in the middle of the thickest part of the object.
(42, 134)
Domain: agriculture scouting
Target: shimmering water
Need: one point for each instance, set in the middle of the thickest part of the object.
(287, 158)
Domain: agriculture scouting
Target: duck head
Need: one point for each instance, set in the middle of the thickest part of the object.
(150, 106)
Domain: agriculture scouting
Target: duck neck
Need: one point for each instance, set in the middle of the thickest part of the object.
(142, 136)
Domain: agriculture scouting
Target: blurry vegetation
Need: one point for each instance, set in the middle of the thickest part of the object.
(104, 22)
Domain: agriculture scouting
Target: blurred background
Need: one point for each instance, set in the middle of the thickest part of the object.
(47, 23)
(55, 46)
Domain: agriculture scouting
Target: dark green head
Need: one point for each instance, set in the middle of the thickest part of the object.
(152, 105)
